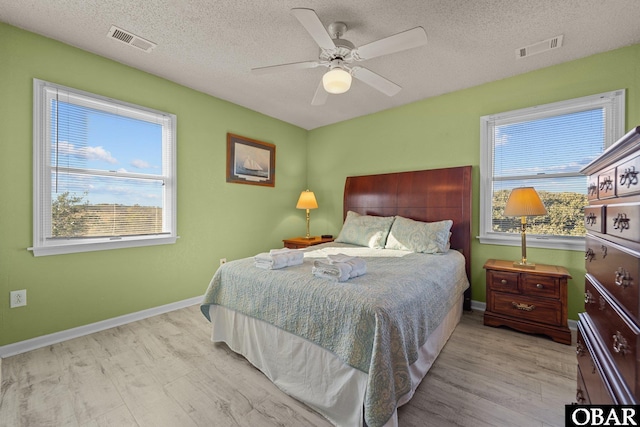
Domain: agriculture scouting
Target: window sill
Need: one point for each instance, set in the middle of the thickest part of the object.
(573, 244)
(62, 249)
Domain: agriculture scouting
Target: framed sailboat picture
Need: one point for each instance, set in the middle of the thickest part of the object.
(250, 161)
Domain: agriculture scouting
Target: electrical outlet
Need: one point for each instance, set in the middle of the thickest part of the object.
(18, 298)
(223, 261)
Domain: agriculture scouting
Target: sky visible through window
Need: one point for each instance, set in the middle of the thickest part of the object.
(94, 140)
(559, 144)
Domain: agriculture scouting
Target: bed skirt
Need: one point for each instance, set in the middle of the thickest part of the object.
(312, 374)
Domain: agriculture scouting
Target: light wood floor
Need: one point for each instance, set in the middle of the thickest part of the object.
(164, 371)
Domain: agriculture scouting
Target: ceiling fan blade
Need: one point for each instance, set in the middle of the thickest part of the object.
(321, 95)
(376, 81)
(286, 67)
(314, 27)
(409, 39)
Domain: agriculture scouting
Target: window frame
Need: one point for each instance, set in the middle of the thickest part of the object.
(612, 102)
(42, 199)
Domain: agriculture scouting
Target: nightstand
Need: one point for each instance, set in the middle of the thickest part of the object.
(301, 242)
(528, 300)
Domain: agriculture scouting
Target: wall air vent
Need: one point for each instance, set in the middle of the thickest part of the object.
(540, 47)
(131, 39)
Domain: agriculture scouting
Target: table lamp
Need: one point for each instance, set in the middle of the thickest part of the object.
(307, 201)
(524, 202)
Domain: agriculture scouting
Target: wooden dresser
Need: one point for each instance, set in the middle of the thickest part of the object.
(608, 331)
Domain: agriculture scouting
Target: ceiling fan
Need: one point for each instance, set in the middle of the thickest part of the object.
(338, 54)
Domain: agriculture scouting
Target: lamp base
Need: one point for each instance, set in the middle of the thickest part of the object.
(308, 237)
(525, 264)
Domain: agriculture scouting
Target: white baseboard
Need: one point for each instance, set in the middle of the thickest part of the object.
(45, 340)
(482, 306)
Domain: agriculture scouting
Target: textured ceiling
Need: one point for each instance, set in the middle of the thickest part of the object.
(211, 46)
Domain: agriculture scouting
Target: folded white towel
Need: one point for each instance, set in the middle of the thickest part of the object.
(339, 271)
(358, 265)
(278, 259)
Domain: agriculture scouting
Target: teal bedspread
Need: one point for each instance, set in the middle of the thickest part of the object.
(374, 323)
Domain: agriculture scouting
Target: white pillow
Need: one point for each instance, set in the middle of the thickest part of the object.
(417, 236)
(365, 230)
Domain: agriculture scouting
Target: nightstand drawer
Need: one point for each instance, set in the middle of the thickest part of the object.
(503, 281)
(528, 308)
(542, 286)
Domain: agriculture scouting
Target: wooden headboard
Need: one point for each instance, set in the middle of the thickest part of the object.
(427, 195)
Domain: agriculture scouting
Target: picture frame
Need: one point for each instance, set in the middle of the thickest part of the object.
(250, 161)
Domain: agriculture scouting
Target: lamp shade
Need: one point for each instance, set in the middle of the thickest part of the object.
(524, 201)
(336, 81)
(307, 200)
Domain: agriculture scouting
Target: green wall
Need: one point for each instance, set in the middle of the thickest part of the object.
(445, 131)
(215, 219)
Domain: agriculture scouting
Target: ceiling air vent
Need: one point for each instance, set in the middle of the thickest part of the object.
(131, 39)
(543, 46)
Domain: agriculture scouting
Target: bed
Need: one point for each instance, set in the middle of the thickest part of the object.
(356, 350)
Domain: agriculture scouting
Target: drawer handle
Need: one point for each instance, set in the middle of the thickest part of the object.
(603, 304)
(523, 307)
(620, 343)
(590, 219)
(603, 249)
(503, 281)
(606, 184)
(593, 189)
(580, 351)
(589, 255)
(539, 286)
(629, 177)
(621, 222)
(588, 297)
(580, 397)
(623, 278)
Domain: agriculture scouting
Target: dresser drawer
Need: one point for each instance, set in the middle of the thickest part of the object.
(594, 219)
(503, 281)
(592, 188)
(607, 184)
(589, 377)
(623, 220)
(615, 269)
(618, 333)
(542, 286)
(528, 308)
(582, 396)
(628, 177)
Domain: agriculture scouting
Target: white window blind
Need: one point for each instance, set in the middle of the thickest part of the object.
(104, 172)
(545, 147)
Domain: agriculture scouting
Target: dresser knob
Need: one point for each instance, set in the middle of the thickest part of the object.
(503, 281)
(539, 286)
(623, 278)
(589, 255)
(588, 297)
(620, 343)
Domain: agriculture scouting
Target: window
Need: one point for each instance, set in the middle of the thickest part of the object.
(104, 173)
(544, 147)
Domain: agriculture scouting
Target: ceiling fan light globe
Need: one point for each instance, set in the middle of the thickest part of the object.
(336, 81)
